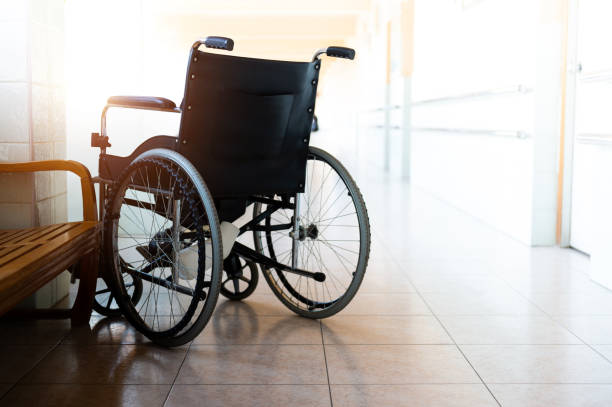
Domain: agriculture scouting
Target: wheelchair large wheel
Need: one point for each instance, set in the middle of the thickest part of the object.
(334, 239)
(162, 228)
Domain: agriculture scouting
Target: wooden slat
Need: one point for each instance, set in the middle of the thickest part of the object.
(43, 233)
(30, 258)
(15, 253)
(65, 229)
(6, 235)
(22, 287)
(4, 250)
(29, 261)
(29, 272)
(4, 239)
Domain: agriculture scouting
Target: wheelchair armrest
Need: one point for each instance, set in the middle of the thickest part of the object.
(142, 102)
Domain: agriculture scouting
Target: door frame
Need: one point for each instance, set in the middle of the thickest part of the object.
(566, 153)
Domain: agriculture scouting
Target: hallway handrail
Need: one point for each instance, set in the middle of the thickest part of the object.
(382, 109)
(519, 134)
(594, 138)
(603, 75)
(454, 98)
(476, 95)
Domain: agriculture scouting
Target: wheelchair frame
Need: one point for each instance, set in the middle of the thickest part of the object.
(101, 140)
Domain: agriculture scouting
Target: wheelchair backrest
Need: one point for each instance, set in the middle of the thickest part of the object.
(246, 122)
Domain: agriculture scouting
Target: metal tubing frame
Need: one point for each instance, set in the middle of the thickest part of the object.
(267, 263)
(176, 237)
(296, 232)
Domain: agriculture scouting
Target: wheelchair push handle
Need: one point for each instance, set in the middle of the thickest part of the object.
(218, 43)
(337, 52)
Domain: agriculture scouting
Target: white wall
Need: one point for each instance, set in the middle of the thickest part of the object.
(489, 46)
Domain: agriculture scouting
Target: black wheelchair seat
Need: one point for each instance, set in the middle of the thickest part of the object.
(246, 122)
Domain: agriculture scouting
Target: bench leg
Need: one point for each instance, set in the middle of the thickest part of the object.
(88, 276)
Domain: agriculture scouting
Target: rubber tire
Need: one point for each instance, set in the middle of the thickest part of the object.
(364, 237)
(216, 269)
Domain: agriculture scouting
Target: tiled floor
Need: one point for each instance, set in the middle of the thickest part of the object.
(451, 313)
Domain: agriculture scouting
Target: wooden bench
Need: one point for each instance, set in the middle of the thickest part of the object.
(30, 258)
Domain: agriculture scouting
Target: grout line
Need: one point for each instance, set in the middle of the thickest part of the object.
(445, 330)
(331, 401)
(177, 374)
(18, 381)
(585, 343)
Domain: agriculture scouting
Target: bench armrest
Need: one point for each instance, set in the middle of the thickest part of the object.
(87, 189)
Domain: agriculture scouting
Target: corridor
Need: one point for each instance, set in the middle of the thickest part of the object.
(451, 313)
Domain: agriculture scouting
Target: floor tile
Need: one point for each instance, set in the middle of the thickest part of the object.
(256, 304)
(108, 364)
(605, 350)
(457, 283)
(36, 332)
(558, 395)
(538, 364)
(574, 303)
(4, 387)
(254, 364)
(249, 395)
(383, 329)
(380, 279)
(467, 267)
(591, 329)
(501, 302)
(397, 364)
(555, 280)
(17, 360)
(105, 331)
(439, 395)
(499, 330)
(244, 330)
(386, 304)
(74, 395)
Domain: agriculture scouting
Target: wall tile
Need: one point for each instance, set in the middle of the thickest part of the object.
(16, 188)
(15, 119)
(59, 150)
(13, 152)
(59, 182)
(57, 114)
(45, 212)
(55, 62)
(15, 216)
(44, 151)
(43, 186)
(60, 208)
(40, 113)
(14, 50)
(43, 180)
(62, 286)
(39, 53)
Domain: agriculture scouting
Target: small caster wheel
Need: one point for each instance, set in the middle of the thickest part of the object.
(241, 277)
(104, 302)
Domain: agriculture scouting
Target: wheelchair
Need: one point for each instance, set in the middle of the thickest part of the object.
(170, 240)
